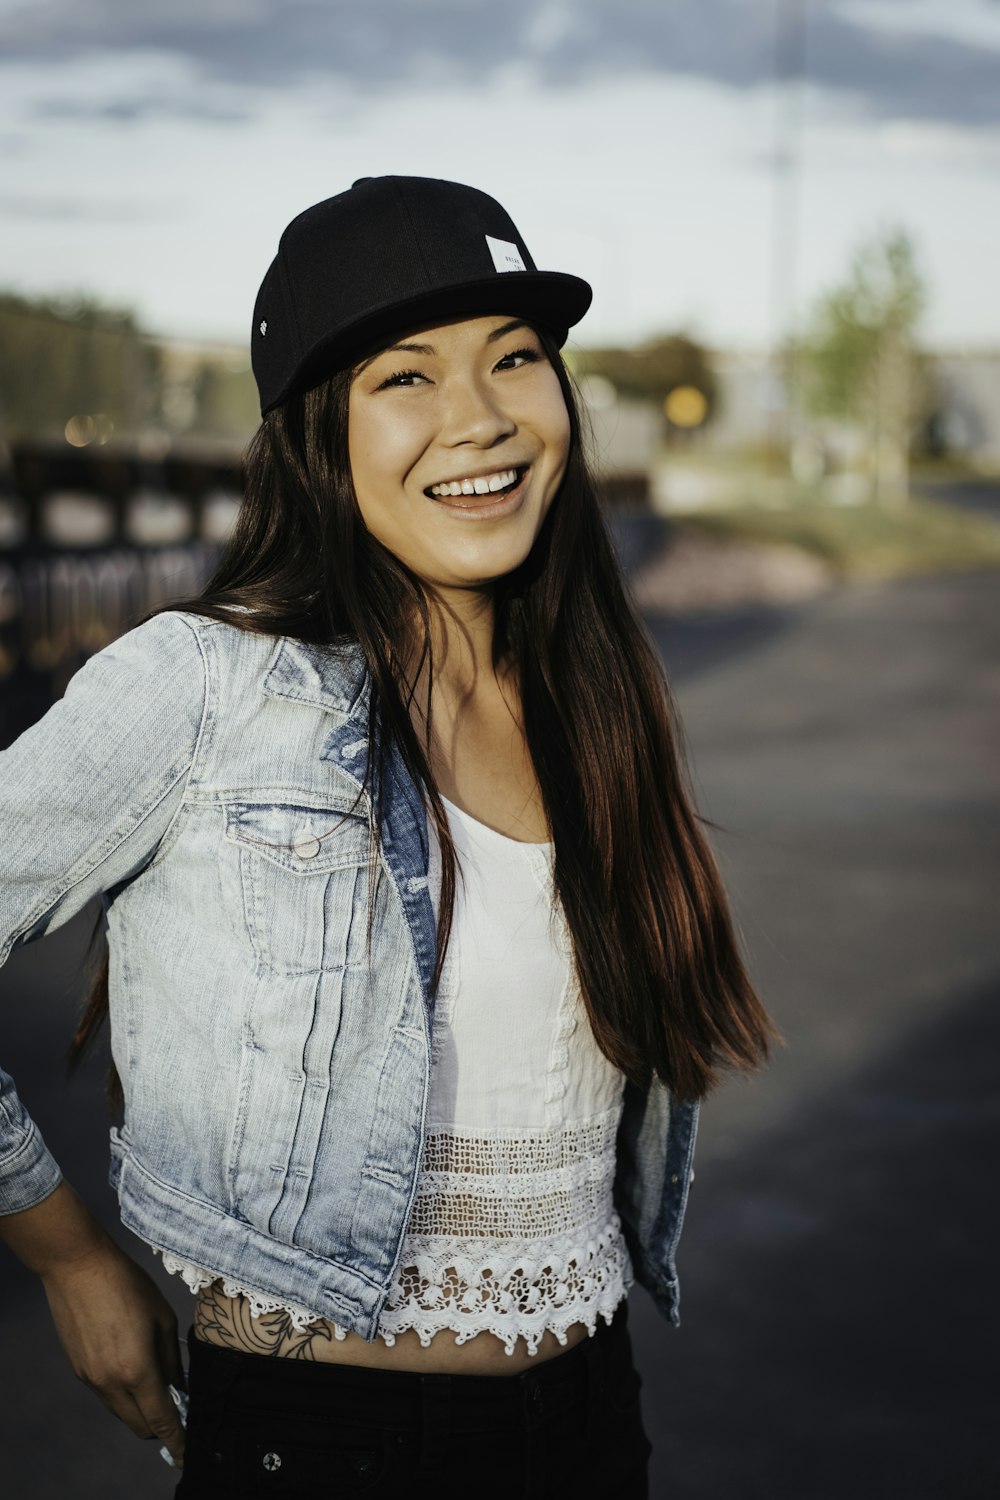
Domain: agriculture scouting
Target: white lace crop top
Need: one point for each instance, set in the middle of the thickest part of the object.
(513, 1229)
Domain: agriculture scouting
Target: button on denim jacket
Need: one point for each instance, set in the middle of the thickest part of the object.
(204, 781)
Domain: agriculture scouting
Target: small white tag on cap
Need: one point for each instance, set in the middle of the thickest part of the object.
(506, 256)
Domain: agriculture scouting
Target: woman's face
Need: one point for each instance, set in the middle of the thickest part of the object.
(458, 438)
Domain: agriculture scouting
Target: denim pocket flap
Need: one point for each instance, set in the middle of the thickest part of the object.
(305, 840)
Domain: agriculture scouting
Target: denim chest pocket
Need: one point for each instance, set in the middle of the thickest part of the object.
(303, 875)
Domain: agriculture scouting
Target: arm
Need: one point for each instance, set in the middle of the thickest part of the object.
(118, 1331)
(87, 796)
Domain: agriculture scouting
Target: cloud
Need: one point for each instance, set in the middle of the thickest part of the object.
(69, 208)
(377, 45)
(128, 109)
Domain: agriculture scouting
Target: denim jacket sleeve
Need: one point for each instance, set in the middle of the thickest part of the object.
(87, 795)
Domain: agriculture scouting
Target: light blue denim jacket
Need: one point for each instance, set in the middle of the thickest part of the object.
(201, 779)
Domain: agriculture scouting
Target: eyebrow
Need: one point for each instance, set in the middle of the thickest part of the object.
(491, 338)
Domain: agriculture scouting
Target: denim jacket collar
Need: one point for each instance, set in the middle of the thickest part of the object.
(330, 677)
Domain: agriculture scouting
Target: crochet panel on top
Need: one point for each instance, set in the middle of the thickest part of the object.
(547, 1253)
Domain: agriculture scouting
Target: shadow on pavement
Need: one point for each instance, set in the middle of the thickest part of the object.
(694, 643)
(839, 1330)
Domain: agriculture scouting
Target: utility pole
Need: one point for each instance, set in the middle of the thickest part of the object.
(789, 69)
(891, 481)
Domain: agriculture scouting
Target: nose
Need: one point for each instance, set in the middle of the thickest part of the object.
(474, 413)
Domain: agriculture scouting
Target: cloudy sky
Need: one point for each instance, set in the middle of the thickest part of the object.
(151, 152)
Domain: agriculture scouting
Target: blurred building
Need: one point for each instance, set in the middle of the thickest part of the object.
(968, 416)
(964, 420)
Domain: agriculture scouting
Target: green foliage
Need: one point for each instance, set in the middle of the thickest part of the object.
(226, 402)
(61, 358)
(878, 306)
(66, 357)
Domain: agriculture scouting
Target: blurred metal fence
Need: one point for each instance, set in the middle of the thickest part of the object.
(89, 543)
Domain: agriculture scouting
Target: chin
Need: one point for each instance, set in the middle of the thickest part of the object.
(487, 569)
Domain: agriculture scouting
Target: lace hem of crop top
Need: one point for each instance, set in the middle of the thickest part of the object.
(500, 1282)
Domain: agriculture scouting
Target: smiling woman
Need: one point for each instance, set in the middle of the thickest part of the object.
(479, 413)
(409, 1138)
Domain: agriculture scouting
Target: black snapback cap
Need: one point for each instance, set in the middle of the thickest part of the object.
(387, 252)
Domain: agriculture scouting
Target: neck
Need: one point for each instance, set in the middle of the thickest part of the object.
(461, 630)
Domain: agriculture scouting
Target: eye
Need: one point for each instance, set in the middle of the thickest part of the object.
(524, 356)
(400, 378)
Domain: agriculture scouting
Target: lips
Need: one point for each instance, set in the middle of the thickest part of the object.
(491, 503)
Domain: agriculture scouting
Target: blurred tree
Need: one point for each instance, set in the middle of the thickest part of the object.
(86, 371)
(651, 371)
(857, 360)
(65, 358)
(226, 401)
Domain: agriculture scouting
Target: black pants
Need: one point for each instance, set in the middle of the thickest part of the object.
(275, 1426)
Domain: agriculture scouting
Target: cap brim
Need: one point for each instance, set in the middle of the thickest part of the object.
(553, 299)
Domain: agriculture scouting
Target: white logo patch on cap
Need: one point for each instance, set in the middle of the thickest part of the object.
(506, 256)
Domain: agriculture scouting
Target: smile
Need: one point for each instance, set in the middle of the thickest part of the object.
(481, 484)
(481, 501)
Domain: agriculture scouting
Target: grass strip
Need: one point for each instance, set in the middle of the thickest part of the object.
(863, 541)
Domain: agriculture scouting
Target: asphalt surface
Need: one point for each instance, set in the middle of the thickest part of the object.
(838, 1309)
(981, 495)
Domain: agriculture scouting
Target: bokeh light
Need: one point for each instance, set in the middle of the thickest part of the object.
(686, 406)
(84, 429)
(80, 431)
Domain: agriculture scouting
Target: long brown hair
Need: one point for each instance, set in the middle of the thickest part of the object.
(665, 988)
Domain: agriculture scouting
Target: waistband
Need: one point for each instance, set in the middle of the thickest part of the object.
(264, 1384)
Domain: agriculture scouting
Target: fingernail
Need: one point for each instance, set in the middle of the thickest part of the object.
(180, 1400)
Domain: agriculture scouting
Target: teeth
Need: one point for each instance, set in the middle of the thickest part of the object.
(485, 485)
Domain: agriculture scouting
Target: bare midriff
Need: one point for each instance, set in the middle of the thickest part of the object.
(227, 1323)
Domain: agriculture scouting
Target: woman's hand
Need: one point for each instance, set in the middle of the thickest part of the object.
(120, 1337)
(118, 1330)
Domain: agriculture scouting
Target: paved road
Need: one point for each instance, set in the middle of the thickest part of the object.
(834, 1261)
(982, 495)
(838, 1309)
